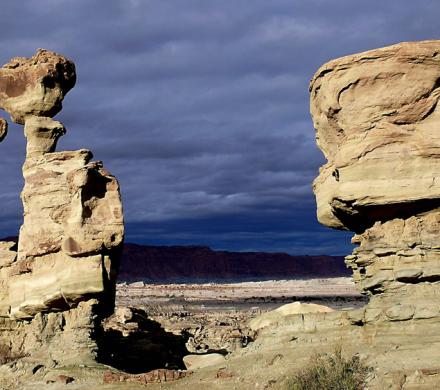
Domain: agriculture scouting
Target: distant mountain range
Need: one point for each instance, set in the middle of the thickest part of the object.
(200, 263)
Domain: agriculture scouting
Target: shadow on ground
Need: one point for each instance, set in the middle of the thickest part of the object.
(141, 345)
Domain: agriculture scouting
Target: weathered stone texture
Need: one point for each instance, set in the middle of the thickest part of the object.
(70, 242)
(58, 281)
(35, 86)
(377, 122)
(60, 277)
(377, 119)
(72, 231)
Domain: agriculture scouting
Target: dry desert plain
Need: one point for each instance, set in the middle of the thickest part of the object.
(214, 317)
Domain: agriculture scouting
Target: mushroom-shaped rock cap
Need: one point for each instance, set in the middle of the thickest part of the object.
(377, 122)
(35, 86)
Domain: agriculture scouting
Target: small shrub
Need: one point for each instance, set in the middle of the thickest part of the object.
(331, 372)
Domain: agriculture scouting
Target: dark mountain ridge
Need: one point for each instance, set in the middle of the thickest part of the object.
(200, 263)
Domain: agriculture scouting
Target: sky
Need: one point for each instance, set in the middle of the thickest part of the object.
(200, 108)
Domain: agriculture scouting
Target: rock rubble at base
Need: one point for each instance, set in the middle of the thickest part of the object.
(155, 376)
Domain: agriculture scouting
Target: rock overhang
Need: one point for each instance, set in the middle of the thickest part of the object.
(376, 120)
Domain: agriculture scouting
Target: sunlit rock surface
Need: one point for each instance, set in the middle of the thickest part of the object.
(377, 122)
(60, 277)
(35, 86)
(70, 242)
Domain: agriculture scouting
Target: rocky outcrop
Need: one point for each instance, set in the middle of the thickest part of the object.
(195, 362)
(377, 117)
(71, 238)
(376, 120)
(60, 276)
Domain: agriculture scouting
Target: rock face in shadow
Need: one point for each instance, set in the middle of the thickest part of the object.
(62, 271)
(377, 122)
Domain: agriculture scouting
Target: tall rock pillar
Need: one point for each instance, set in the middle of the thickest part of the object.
(71, 239)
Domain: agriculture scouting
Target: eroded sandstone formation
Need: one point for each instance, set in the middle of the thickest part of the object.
(70, 241)
(61, 274)
(377, 122)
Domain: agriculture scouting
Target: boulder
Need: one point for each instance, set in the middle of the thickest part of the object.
(376, 121)
(275, 316)
(194, 362)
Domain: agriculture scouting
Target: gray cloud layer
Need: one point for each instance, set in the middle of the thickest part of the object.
(201, 107)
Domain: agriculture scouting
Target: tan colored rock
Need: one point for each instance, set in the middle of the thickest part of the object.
(8, 253)
(377, 119)
(61, 275)
(61, 337)
(377, 122)
(8, 256)
(71, 238)
(42, 134)
(35, 86)
(275, 316)
(3, 129)
(195, 362)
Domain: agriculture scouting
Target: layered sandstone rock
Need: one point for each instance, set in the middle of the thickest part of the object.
(71, 238)
(377, 122)
(3, 129)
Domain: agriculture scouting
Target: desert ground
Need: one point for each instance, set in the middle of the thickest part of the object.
(260, 295)
(206, 315)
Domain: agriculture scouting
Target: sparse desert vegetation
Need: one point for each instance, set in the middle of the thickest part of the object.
(331, 371)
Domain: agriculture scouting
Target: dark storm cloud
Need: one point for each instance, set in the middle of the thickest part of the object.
(200, 108)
